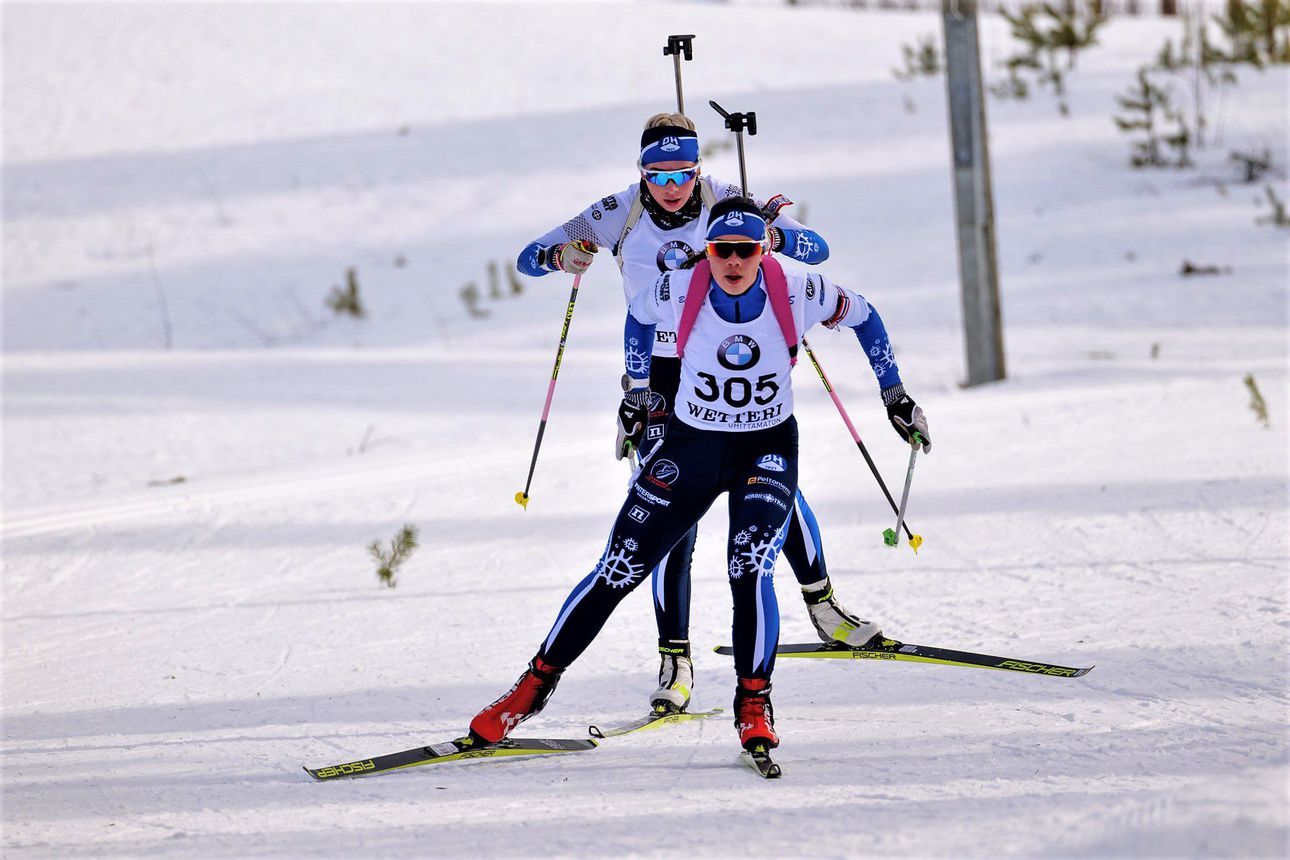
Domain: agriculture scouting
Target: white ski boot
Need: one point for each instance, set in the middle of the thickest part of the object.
(675, 678)
(833, 622)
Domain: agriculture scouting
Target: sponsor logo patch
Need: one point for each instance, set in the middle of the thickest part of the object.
(669, 144)
(738, 352)
(772, 463)
(650, 497)
(664, 473)
(672, 255)
(769, 482)
(610, 203)
(638, 514)
(767, 497)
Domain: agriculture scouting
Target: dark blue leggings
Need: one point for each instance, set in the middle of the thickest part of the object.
(671, 577)
(682, 479)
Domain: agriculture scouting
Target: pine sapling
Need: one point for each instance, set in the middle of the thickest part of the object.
(1140, 105)
(494, 287)
(1257, 404)
(401, 546)
(1046, 31)
(513, 280)
(921, 60)
(1147, 106)
(347, 301)
(1258, 30)
(1179, 140)
(470, 297)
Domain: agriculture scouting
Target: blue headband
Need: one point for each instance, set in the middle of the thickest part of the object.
(738, 222)
(669, 143)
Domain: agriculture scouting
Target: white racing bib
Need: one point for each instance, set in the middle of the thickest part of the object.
(735, 376)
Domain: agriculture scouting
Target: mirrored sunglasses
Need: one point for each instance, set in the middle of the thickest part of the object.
(663, 177)
(744, 249)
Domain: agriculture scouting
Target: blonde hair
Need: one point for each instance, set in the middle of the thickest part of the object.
(670, 119)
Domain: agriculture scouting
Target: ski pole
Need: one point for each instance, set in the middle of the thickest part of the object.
(891, 537)
(846, 419)
(738, 122)
(676, 47)
(522, 497)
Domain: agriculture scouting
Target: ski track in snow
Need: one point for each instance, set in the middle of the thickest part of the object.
(174, 652)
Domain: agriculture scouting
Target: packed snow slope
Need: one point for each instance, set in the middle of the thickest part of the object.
(184, 185)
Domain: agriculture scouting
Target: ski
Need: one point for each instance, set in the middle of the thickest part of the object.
(758, 758)
(890, 649)
(455, 750)
(652, 720)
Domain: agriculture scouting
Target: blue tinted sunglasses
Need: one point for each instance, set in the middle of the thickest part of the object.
(662, 177)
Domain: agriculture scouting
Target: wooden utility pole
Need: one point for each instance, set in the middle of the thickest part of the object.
(973, 195)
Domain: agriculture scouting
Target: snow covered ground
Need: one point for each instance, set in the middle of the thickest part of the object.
(184, 184)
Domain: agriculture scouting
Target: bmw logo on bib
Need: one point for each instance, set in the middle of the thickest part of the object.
(672, 255)
(738, 352)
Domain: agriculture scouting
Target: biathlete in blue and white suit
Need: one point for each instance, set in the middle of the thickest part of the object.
(654, 227)
(732, 431)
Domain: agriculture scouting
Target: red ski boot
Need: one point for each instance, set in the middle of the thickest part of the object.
(754, 715)
(525, 699)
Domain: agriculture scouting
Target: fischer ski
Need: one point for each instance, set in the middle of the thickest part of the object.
(758, 758)
(890, 649)
(463, 748)
(653, 720)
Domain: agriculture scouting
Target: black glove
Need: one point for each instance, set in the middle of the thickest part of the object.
(907, 417)
(633, 418)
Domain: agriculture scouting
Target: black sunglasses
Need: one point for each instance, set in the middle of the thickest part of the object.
(744, 250)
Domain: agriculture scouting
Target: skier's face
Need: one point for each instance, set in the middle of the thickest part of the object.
(672, 196)
(735, 274)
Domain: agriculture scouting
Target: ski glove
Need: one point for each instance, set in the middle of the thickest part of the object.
(771, 210)
(906, 416)
(572, 257)
(633, 417)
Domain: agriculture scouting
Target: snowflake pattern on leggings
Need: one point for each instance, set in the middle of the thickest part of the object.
(736, 567)
(617, 567)
(761, 554)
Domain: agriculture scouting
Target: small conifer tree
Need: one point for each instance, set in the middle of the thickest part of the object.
(347, 300)
(470, 297)
(388, 562)
(516, 285)
(1046, 32)
(1259, 31)
(922, 59)
(1257, 404)
(1147, 108)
